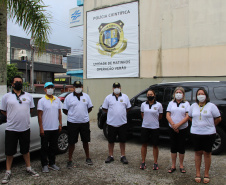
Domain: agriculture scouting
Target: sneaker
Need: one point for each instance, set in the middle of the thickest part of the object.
(45, 169)
(89, 161)
(109, 159)
(33, 173)
(54, 167)
(124, 160)
(6, 178)
(70, 164)
(143, 166)
(155, 166)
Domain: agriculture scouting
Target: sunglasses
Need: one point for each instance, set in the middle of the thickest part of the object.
(20, 102)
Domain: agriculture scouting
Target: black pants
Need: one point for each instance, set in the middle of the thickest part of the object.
(49, 147)
(178, 140)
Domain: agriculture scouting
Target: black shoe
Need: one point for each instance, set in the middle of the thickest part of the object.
(89, 161)
(109, 159)
(124, 160)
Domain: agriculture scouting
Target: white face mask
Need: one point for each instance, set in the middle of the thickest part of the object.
(178, 96)
(78, 90)
(117, 90)
(201, 98)
(50, 91)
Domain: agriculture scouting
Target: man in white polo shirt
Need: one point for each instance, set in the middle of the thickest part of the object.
(116, 105)
(17, 106)
(77, 107)
(50, 123)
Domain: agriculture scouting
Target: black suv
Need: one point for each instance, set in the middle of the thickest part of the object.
(164, 92)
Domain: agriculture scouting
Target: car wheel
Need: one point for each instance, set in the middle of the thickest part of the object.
(62, 142)
(105, 130)
(220, 141)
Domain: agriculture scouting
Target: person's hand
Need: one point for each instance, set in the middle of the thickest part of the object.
(60, 128)
(41, 132)
(175, 128)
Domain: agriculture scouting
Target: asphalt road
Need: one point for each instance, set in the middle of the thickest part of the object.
(116, 172)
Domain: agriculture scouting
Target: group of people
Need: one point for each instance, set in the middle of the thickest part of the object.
(204, 116)
(77, 106)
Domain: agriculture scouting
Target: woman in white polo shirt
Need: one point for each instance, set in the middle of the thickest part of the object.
(151, 112)
(204, 116)
(177, 116)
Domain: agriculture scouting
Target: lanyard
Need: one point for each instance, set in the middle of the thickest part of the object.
(200, 117)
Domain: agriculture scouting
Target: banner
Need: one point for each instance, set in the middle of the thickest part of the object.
(76, 16)
(112, 42)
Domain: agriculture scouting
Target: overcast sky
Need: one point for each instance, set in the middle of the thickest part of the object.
(61, 33)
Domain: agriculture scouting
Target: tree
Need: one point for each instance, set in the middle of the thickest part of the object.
(29, 14)
(12, 71)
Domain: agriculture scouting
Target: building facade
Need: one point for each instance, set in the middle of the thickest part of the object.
(45, 65)
(179, 40)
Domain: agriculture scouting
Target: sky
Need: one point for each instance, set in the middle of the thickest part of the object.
(61, 33)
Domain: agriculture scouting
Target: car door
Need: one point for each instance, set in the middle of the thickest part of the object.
(134, 115)
(34, 126)
(2, 138)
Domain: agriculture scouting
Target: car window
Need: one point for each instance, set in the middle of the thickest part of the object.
(159, 94)
(219, 92)
(168, 94)
(188, 93)
(35, 112)
(141, 98)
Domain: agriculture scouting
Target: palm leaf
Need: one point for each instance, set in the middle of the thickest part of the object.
(30, 14)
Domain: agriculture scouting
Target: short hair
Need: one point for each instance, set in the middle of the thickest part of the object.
(183, 91)
(205, 92)
(17, 76)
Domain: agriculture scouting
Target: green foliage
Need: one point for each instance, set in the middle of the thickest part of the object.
(30, 14)
(26, 84)
(12, 71)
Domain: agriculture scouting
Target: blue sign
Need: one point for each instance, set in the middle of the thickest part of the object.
(80, 2)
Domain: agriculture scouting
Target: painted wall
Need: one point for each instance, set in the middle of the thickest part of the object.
(179, 39)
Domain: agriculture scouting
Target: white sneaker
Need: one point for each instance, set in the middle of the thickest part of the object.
(45, 169)
(33, 173)
(6, 178)
(54, 167)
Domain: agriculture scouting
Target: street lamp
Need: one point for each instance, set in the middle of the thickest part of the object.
(32, 45)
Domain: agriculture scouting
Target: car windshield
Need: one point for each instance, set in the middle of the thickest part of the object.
(63, 95)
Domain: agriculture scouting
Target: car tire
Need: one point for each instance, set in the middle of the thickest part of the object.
(62, 145)
(220, 141)
(105, 130)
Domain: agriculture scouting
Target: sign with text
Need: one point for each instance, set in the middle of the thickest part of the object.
(76, 16)
(112, 42)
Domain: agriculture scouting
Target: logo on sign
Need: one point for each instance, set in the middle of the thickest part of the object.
(111, 38)
(75, 15)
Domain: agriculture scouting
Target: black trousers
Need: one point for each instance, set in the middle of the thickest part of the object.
(49, 147)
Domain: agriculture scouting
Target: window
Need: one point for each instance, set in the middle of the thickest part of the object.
(220, 93)
(141, 98)
(188, 92)
(35, 112)
(168, 94)
(159, 94)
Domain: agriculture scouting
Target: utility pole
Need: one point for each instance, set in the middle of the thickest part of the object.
(32, 44)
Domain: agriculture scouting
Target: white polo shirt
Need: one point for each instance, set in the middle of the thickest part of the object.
(77, 107)
(50, 116)
(116, 107)
(205, 125)
(18, 115)
(151, 114)
(178, 112)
